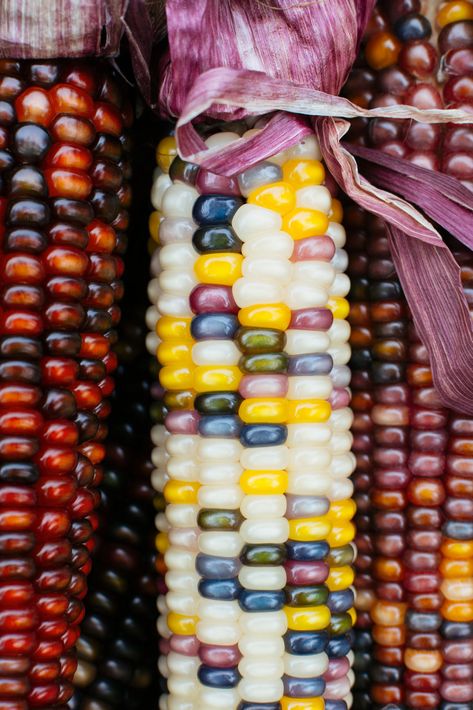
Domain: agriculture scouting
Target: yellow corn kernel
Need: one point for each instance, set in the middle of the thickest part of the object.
(353, 614)
(339, 307)
(342, 510)
(215, 378)
(308, 411)
(182, 625)
(278, 196)
(169, 328)
(340, 578)
(336, 213)
(264, 482)
(455, 11)
(309, 529)
(461, 612)
(166, 152)
(457, 549)
(264, 411)
(303, 172)
(162, 542)
(176, 377)
(181, 491)
(341, 534)
(153, 224)
(221, 268)
(302, 703)
(307, 618)
(276, 315)
(303, 223)
(175, 351)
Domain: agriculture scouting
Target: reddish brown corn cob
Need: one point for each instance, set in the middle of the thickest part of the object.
(63, 198)
(420, 53)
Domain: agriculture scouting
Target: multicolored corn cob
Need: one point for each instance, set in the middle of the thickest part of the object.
(421, 602)
(63, 204)
(255, 458)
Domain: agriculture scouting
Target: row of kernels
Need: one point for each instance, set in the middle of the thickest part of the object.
(333, 684)
(425, 493)
(363, 444)
(342, 553)
(309, 449)
(216, 358)
(390, 419)
(175, 473)
(263, 320)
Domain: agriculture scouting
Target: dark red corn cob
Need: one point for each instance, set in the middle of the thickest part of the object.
(420, 53)
(57, 201)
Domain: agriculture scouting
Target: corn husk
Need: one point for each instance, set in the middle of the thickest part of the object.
(35, 29)
(288, 60)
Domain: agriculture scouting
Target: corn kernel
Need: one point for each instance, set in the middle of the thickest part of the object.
(303, 172)
(175, 351)
(176, 377)
(341, 534)
(342, 510)
(264, 411)
(216, 378)
(339, 307)
(162, 542)
(308, 411)
(340, 578)
(169, 328)
(456, 11)
(277, 316)
(153, 225)
(264, 482)
(182, 625)
(310, 618)
(181, 492)
(166, 152)
(308, 529)
(223, 269)
(277, 196)
(303, 223)
(302, 703)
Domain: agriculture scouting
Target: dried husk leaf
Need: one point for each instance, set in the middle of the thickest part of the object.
(61, 28)
(443, 198)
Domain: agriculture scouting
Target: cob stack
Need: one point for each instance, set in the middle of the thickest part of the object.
(254, 458)
(63, 202)
(115, 649)
(421, 603)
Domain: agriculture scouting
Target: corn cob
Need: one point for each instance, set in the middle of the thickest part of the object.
(255, 474)
(117, 640)
(422, 612)
(55, 186)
